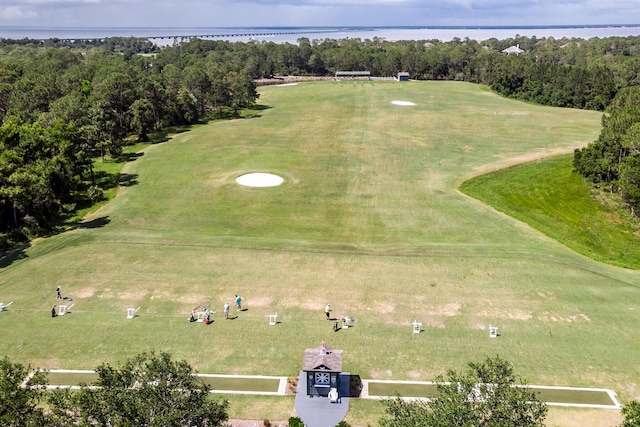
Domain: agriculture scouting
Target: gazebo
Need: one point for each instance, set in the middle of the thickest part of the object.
(322, 367)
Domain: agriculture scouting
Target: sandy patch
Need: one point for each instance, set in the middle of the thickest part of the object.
(504, 314)
(192, 300)
(261, 302)
(571, 319)
(434, 324)
(448, 310)
(259, 179)
(403, 103)
(84, 293)
(133, 295)
(307, 305)
(414, 375)
(383, 308)
(519, 315)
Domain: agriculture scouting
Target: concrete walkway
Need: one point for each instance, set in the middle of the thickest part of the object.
(319, 411)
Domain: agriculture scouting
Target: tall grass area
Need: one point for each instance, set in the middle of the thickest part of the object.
(369, 218)
(547, 195)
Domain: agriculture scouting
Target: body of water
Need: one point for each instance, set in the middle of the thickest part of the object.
(167, 36)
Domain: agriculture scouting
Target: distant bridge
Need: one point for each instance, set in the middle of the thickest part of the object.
(250, 34)
(267, 34)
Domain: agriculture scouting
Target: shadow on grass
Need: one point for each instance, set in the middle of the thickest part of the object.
(260, 107)
(128, 179)
(127, 157)
(6, 259)
(163, 135)
(252, 112)
(95, 223)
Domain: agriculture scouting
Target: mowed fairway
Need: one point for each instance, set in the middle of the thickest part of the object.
(368, 219)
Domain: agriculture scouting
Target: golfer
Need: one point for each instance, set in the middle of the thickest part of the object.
(226, 310)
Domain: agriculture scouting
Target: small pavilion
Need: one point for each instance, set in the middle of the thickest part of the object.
(322, 367)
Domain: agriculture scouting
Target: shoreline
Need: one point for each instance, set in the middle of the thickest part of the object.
(165, 36)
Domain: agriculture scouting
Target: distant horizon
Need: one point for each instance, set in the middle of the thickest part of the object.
(166, 35)
(469, 26)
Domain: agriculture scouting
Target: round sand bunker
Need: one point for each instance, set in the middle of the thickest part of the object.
(259, 179)
(403, 103)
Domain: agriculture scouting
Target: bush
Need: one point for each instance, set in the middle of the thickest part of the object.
(295, 422)
(30, 227)
(95, 193)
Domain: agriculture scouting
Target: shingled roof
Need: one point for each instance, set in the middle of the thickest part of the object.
(322, 358)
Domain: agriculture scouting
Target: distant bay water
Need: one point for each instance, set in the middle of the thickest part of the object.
(167, 36)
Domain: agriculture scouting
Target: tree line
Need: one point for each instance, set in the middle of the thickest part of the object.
(612, 162)
(62, 107)
(65, 103)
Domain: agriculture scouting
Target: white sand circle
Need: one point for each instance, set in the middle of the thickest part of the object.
(259, 179)
(403, 103)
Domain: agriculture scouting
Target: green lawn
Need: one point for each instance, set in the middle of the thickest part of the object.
(369, 218)
(236, 383)
(548, 196)
(568, 396)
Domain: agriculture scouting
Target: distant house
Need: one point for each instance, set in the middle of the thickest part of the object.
(513, 49)
(403, 76)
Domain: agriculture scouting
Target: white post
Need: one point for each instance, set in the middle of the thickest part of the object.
(493, 332)
(417, 327)
(131, 312)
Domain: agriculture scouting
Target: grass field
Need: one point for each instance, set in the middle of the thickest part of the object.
(549, 196)
(215, 382)
(549, 395)
(368, 219)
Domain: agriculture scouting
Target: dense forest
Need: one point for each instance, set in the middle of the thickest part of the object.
(65, 103)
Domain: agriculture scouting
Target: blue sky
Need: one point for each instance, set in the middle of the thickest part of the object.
(230, 13)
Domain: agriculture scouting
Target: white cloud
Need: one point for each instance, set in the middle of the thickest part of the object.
(226, 13)
(55, 2)
(15, 12)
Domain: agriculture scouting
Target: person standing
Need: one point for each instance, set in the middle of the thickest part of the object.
(226, 310)
(58, 292)
(238, 303)
(327, 311)
(53, 311)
